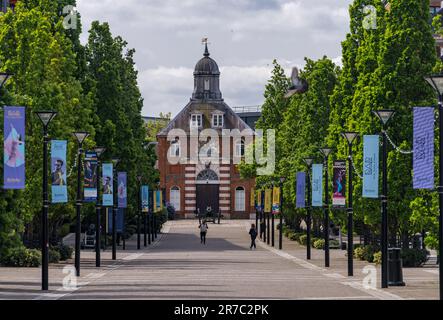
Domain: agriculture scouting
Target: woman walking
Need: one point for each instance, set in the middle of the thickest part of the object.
(253, 234)
(203, 230)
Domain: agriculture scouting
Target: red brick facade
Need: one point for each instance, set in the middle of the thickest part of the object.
(193, 184)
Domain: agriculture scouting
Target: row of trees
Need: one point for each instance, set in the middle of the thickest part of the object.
(383, 68)
(93, 87)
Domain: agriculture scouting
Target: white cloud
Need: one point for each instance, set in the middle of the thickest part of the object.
(245, 36)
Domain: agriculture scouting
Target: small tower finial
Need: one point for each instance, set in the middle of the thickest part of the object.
(205, 41)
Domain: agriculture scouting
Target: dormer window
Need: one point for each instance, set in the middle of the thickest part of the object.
(196, 121)
(217, 120)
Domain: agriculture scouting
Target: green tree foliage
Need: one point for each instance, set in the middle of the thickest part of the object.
(93, 89)
(305, 124)
(34, 47)
(112, 76)
(271, 119)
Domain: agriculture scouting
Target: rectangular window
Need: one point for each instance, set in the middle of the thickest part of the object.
(196, 121)
(175, 149)
(240, 149)
(217, 121)
(240, 199)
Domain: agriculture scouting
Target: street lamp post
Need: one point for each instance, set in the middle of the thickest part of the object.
(272, 218)
(99, 151)
(308, 162)
(350, 137)
(139, 179)
(280, 236)
(45, 117)
(326, 152)
(115, 162)
(436, 81)
(384, 116)
(81, 137)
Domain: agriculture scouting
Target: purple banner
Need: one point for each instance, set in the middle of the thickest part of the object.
(14, 148)
(122, 190)
(339, 184)
(301, 190)
(423, 148)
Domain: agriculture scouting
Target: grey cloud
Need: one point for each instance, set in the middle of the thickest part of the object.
(245, 36)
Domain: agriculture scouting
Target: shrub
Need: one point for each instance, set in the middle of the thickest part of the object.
(303, 240)
(414, 257)
(358, 253)
(319, 244)
(65, 251)
(365, 253)
(293, 236)
(22, 257)
(313, 240)
(377, 257)
(287, 232)
(54, 256)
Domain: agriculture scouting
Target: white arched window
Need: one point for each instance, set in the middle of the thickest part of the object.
(240, 148)
(240, 199)
(175, 198)
(175, 148)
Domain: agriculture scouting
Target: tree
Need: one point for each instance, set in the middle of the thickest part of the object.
(112, 78)
(34, 46)
(304, 128)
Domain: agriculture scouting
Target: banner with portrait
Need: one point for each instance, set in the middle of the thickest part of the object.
(108, 193)
(59, 187)
(301, 190)
(145, 198)
(259, 200)
(122, 188)
(339, 184)
(268, 200)
(14, 148)
(317, 185)
(158, 201)
(371, 162)
(90, 179)
(276, 194)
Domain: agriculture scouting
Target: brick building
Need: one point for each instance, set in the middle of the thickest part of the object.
(199, 149)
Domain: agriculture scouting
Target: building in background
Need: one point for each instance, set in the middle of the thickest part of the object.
(208, 183)
(249, 114)
(436, 9)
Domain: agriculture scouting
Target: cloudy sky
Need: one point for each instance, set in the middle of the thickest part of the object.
(244, 36)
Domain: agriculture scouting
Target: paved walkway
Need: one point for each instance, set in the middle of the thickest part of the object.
(177, 266)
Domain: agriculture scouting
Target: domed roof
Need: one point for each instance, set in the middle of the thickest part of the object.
(206, 66)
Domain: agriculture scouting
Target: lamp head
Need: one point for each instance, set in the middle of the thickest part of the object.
(326, 151)
(4, 76)
(308, 161)
(81, 136)
(384, 115)
(46, 116)
(99, 151)
(115, 161)
(350, 136)
(436, 82)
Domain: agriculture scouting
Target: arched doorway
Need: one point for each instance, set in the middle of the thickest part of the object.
(208, 188)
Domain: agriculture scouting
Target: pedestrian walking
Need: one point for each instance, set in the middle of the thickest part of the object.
(253, 234)
(203, 230)
(262, 228)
